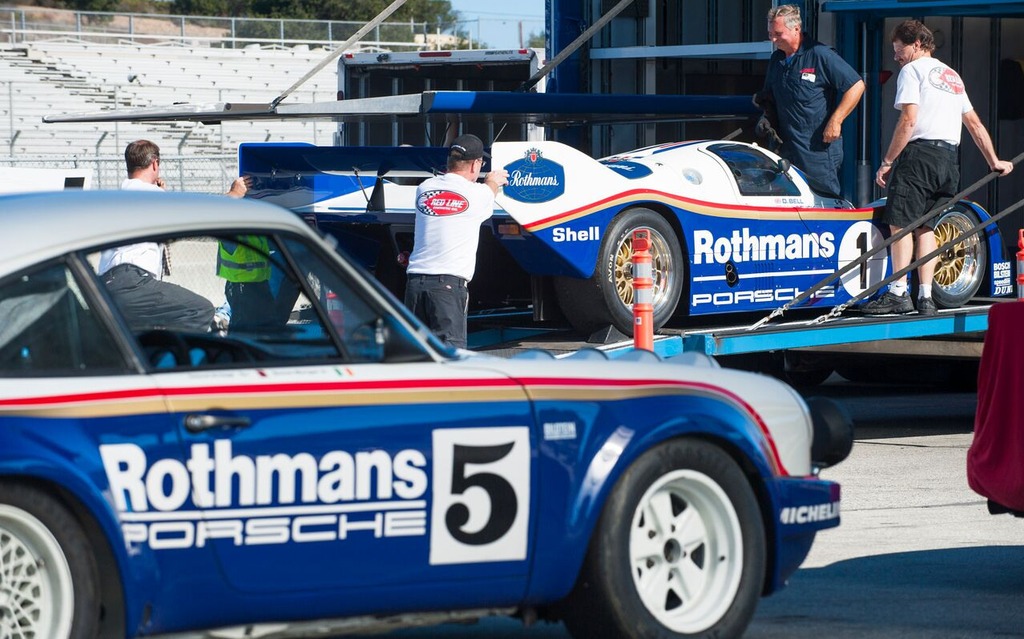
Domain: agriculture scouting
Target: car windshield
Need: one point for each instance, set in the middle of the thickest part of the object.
(755, 173)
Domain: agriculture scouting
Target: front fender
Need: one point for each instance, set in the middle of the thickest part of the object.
(571, 503)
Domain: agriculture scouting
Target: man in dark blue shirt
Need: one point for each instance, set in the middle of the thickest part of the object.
(812, 90)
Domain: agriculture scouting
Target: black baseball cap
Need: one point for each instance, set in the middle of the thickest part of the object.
(468, 147)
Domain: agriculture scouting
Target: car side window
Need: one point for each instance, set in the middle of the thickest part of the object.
(755, 173)
(367, 332)
(49, 328)
(231, 300)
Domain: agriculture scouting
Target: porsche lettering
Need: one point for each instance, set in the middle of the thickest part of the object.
(261, 531)
(730, 298)
(742, 246)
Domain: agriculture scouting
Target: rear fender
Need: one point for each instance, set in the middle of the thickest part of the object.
(998, 272)
(564, 200)
(73, 479)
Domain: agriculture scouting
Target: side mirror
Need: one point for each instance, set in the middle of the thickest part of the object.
(783, 165)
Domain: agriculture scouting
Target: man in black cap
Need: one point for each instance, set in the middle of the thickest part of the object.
(449, 211)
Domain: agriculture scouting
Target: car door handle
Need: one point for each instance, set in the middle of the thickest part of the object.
(196, 423)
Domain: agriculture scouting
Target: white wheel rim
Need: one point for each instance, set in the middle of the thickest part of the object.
(686, 551)
(36, 593)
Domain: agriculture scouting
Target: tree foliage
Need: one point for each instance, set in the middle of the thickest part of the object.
(435, 12)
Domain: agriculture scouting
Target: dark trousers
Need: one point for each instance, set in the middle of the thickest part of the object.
(148, 303)
(254, 306)
(441, 302)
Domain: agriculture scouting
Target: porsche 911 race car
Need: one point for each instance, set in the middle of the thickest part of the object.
(336, 467)
(733, 227)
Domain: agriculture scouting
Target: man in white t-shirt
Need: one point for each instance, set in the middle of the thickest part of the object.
(449, 211)
(921, 166)
(134, 273)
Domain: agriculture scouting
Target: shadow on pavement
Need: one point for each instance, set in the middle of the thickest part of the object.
(955, 592)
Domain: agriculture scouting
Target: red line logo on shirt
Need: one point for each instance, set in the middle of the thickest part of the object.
(946, 80)
(441, 203)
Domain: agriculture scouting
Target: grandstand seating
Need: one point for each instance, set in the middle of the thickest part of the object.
(40, 78)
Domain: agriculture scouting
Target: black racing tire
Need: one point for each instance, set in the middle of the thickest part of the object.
(606, 298)
(961, 269)
(49, 564)
(682, 517)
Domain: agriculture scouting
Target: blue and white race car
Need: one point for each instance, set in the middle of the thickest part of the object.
(732, 227)
(338, 467)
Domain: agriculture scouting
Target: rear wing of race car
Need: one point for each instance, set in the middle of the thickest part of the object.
(354, 181)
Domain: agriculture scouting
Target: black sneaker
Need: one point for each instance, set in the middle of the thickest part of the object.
(888, 304)
(926, 306)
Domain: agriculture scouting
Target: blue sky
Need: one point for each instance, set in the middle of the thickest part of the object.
(496, 24)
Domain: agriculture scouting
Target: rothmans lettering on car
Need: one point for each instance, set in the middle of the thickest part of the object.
(742, 246)
(266, 499)
(809, 514)
(563, 234)
(209, 481)
(534, 179)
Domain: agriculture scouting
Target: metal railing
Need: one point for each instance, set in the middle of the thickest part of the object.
(25, 24)
(194, 174)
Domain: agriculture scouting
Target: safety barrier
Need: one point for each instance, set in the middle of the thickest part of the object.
(643, 291)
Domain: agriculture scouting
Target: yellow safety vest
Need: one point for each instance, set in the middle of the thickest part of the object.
(240, 263)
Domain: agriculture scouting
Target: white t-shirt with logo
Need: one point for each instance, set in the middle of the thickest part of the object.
(146, 255)
(449, 212)
(940, 95)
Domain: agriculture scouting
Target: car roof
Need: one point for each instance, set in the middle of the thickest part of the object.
(40, 226)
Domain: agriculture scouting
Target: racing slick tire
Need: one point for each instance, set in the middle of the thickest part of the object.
(606, 298)
(961, 269)
(48, 577)
(679, 551)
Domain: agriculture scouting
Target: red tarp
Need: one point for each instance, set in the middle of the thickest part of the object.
(995, 460)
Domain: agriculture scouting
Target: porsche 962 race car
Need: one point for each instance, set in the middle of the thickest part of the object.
(324, 464)
(733, 227)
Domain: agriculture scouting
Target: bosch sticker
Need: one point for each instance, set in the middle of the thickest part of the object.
(441, 203)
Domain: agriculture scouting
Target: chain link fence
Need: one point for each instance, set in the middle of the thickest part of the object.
(189, 173)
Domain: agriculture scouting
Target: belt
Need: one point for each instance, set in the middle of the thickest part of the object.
(109, 275)
(438, 278)
(942, 144)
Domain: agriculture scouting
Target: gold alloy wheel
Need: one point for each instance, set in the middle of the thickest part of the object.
(661, 266)
(958, 267)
